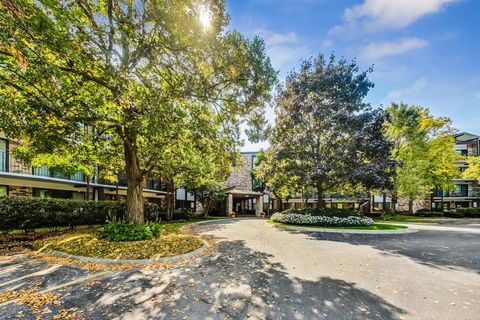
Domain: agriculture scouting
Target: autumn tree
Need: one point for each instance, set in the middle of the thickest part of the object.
(325, 135)
(161, 82)
(424, 150)
(473, 168)
(473, 172)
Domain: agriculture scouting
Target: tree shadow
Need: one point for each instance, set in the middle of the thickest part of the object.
(234, 282)
(453, 250)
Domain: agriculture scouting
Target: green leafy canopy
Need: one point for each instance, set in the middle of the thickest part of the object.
(142, 85)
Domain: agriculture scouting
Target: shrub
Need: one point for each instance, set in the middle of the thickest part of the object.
(28, 213)
(453, 214)
(375, 214)
(428, 214)
(469, 212)
(321, 220)
(330, 212)
(153, 212)
(423, 211)
(183, 214)
(118, 231)
(394, 217)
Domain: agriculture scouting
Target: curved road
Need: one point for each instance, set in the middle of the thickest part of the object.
(260, 272)
(431, 274)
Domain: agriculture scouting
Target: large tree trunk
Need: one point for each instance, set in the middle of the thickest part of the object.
(204, 201)
(135, 185)
(279, 204)
(320, 201)
(410, 206)
(384, 202)
(207, 208)
(87, 191)
(170, 198)
(394, 203)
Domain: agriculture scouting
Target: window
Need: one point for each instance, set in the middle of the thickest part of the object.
(461, 190)
(52, 193)
(3, 155)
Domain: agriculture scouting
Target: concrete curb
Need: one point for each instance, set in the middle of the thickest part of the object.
(350, 231)
(129, 261)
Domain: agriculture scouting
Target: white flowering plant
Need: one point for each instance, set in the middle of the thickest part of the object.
(321, 220)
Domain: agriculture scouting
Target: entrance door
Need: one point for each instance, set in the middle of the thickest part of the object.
(244, 206)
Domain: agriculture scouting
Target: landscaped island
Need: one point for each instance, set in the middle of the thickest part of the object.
(324, 218)
(329, 218)
(89, 243)
(168, 241)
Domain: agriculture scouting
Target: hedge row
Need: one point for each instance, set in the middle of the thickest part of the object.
(329, 212)
(468, 212)
(28, 213)
(321, 220)
(457, 213)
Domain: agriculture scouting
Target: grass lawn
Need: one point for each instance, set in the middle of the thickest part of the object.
(410, 219)
(376, 226)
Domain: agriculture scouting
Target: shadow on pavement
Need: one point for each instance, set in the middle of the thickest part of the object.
(452, 250)
(234, 283)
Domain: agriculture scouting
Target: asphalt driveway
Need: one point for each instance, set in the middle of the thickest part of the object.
(260, 272)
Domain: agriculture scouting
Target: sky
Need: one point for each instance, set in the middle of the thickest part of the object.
(423, 52)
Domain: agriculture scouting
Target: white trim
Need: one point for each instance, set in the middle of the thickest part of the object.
(22, 176)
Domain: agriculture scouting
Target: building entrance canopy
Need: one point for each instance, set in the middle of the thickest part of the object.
(244, 201)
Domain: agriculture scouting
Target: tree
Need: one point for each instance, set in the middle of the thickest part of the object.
(82, 155)
(325, 135)
(473, 172)
(424, 150)
(212, 170)
(473, 168)
(159, 85)
(273, 171)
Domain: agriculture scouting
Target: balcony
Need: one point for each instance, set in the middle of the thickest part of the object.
(151, 184)
(9, 164)
(461, 191)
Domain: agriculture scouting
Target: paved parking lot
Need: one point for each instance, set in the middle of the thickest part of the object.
(261, 272)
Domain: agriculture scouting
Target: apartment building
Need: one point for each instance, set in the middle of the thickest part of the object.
(467, 192)
(17, 178)
(245, 196)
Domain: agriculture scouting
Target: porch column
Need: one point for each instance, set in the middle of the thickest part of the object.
(259, 206)
(229, 203)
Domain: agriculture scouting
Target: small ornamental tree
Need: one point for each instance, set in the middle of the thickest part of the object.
(160, 81)
(325, 135)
